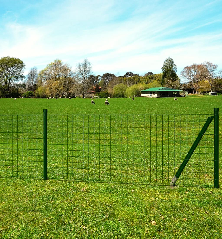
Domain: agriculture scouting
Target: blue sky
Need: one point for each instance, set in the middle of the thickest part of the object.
(116, 36)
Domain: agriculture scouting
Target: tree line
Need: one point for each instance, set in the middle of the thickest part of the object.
(58, 79)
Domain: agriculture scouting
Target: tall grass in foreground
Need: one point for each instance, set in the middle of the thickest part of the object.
(65, 209)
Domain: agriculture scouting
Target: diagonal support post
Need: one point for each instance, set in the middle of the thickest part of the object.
(192, 149)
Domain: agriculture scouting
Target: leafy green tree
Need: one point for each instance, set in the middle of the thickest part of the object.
(41, 92)
(169, 69)
(204, 86)
(119, 90)
(153, 84)
(131, 80)
(57, 79)
(11, 71)
(149, 74)
(218, 85)
(105, 80)
(150, 77)
(135, 90)
(28, 94)
(103, 94)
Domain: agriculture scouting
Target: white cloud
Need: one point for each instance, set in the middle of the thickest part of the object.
(135, 36)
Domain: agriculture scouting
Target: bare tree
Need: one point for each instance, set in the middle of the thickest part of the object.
(83, 72)
(197, 73)
(32, 78)
(211, 74)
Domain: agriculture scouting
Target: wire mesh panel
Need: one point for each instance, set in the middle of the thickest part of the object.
(7, 164)
(142, 148)
(200, 168)
(29, 146)
(129, 148)
(57, 146)
(21, 146)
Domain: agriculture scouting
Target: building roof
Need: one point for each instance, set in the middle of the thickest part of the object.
(161, 89)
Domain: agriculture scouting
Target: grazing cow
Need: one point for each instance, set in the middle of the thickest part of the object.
(93, 102)
(106, 102)
(175, 98)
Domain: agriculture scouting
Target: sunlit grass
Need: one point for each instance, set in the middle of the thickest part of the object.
(65, 209)
(68, 209)
(183, 105)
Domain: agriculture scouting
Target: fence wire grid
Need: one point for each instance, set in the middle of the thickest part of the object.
(144, 149)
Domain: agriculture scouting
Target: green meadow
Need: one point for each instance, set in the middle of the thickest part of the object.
(184, 105)
(31, 208)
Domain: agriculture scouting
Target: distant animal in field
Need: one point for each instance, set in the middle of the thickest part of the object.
(93, 102)
(106, 102)
(175, 98)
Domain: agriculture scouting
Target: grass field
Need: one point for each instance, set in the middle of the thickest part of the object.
(67, 209)
(187, 105)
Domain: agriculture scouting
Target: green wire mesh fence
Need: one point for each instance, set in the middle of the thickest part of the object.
(21, 146)
(144, 149)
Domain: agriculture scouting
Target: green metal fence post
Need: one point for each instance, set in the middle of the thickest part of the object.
(12, 147)
(216, 147)
(17, 137)
(45, 144)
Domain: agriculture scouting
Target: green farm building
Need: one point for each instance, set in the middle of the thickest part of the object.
(158, 92)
